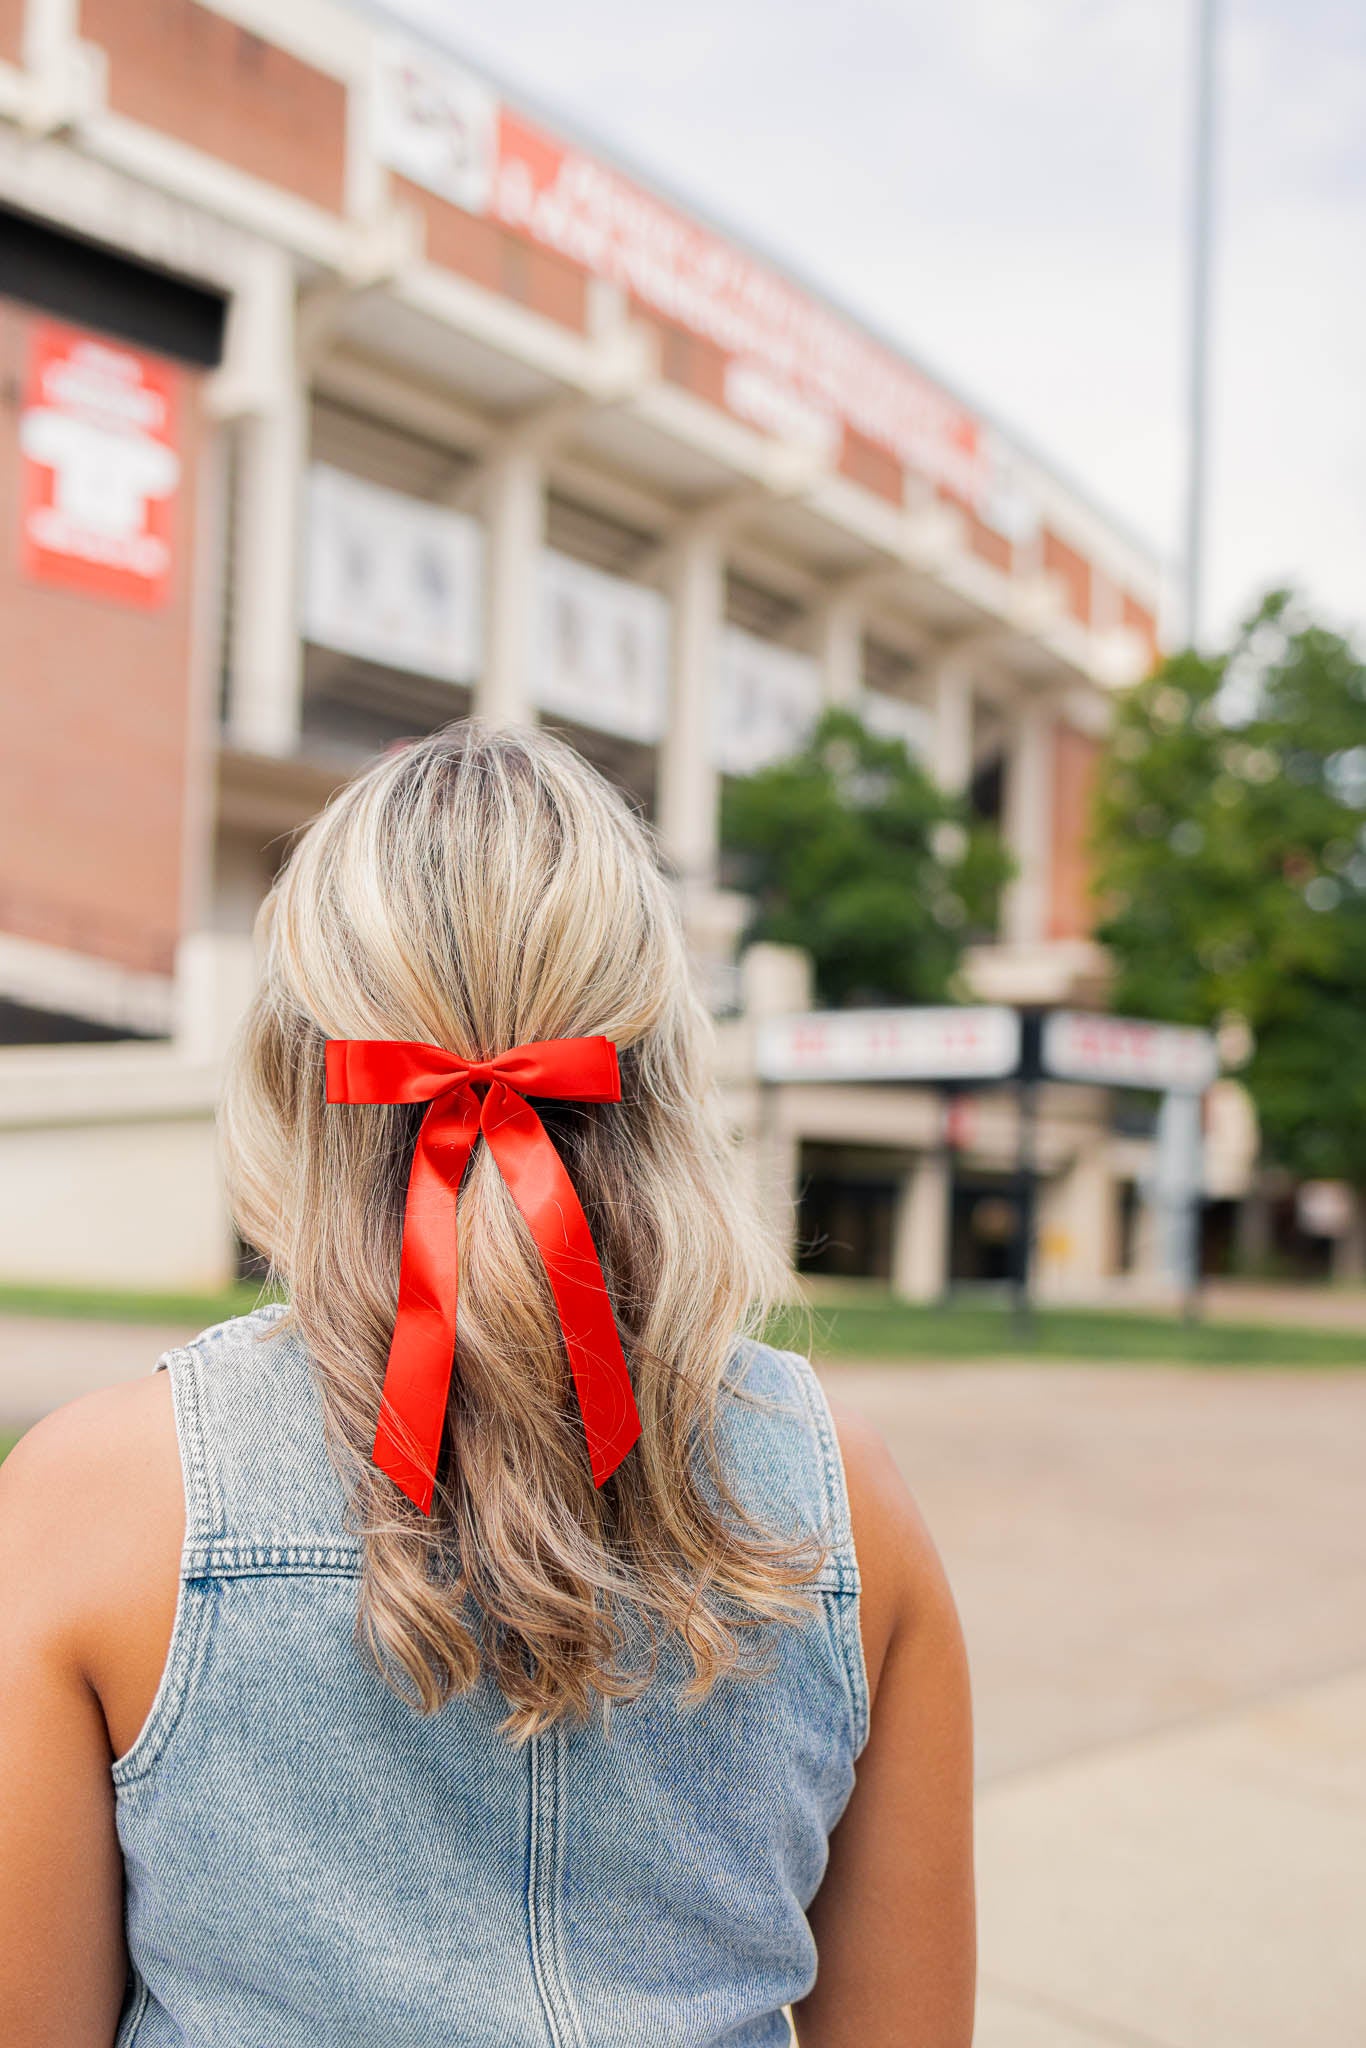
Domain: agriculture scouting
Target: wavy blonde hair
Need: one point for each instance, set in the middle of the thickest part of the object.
(478, 889)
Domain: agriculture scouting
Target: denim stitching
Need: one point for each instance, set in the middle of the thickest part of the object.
(837, 1494)
(223, 1558)
(179, 1366)
(535, 1889)
(132, 2023)
(570, 2003)
(836, 1574)
(196, 1610)
(189, 1623)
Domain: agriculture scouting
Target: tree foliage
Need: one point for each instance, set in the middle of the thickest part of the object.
(1231, 867)
(851, 850)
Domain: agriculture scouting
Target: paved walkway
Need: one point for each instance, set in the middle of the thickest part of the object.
(45, 1360)
(1162, 1575)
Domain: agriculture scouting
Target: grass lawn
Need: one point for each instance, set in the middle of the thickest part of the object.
(853, 1323)
(875, 1327)
(120, 1305)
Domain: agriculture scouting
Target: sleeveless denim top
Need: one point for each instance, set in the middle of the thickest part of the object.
(312, 1864)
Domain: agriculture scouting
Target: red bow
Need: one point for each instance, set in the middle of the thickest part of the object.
(417, 1381)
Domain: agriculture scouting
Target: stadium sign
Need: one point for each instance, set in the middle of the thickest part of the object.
(1127, 1052)
(789, 365)
(968, 1043)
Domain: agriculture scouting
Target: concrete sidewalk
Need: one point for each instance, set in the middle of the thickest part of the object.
(1162, 1577)
(46, 1360)
(1203, 1888)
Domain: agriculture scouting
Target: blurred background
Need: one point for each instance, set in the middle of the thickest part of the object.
(918, 455)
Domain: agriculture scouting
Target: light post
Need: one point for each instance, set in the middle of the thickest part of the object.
(1202, 209)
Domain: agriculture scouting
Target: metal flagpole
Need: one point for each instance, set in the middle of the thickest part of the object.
(1202, 197)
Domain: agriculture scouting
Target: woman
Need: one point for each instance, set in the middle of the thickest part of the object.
(352, 1701)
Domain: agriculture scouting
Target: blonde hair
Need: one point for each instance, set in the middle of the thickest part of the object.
(478, 889)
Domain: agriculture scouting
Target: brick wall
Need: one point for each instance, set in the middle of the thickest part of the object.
(1073, 571)
(489, 255)
(988, 544)
(864, 462)
(11, 30)
(93, 709)
(1076, 759)
(186, 71)
(1139, 619)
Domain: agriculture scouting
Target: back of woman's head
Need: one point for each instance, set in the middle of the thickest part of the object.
(479, 890)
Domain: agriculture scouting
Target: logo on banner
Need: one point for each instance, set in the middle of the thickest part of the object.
(100, 468)
(435, 123)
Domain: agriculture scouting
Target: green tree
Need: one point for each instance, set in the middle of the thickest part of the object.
(1231, 867)
(852, 851)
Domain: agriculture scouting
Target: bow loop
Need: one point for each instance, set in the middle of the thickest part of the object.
(421, 1355)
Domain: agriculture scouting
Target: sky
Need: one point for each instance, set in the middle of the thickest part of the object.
(1002, 186)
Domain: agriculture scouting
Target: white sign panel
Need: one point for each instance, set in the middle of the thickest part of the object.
(974, 1042)
(1126, 1052)
(766, 701)
(602, 653)
(893, 718)
(391, 579)
(435, 123)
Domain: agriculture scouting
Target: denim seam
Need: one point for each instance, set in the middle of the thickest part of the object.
(836, 1574)
(189, 1622)
(569, 2002)
(535, 1890)
(132, 2025)
(195, 1610)
(228, 1559)
(833, 1483)
(181, 1366)
(837, 1501)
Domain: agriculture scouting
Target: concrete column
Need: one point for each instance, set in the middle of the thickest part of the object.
(951, 710)
(266, 394)
(839, 652)
(50, 28)
(1029, 822)
(216, 976)
(1349, 1250)
(687, 779)
(920, 1231)
(514, 532)
(1078, 1218)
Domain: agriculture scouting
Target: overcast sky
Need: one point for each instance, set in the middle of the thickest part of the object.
(1002, 185)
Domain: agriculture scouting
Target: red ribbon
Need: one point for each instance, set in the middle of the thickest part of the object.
(422, 1353)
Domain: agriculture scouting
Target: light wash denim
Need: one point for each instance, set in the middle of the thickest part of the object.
(311, 1864)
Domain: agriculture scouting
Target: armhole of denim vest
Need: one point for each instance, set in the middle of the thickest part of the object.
(194, 1594)
(846, 1600)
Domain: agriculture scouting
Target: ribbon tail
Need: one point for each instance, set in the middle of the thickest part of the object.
(541, 1187)
(417, 1379)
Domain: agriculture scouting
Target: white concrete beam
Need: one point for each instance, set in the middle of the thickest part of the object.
(261, 388)
(688, 781)
(1029, 819)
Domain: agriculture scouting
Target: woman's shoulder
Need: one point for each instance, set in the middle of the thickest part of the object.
(91, 1526)
(884, 1547)
(92, 1470)
(904, 1585)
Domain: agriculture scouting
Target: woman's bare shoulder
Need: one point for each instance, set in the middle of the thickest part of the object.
(92, 1519)
(904, 1585)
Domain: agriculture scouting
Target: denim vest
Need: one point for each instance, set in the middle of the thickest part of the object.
(312, 1864)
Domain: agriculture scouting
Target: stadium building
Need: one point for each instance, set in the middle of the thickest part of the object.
(343, 394)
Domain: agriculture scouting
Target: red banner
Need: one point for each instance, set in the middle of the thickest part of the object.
(100, 467)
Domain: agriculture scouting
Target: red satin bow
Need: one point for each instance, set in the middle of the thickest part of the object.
(421, 1355)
